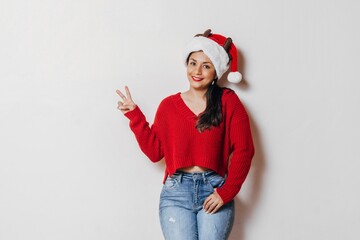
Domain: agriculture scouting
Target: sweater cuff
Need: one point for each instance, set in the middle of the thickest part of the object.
(226, 197)
(136, 112)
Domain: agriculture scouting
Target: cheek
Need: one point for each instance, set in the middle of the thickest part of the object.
(211, 74)
(188, 69)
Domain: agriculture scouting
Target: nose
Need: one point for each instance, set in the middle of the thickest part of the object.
(198, 70)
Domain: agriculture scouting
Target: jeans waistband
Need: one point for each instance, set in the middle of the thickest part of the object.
(180, 175)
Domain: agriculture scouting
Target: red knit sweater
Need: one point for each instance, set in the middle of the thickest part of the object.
(173, 135)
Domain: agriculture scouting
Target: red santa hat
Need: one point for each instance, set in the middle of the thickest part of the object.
(221, 51)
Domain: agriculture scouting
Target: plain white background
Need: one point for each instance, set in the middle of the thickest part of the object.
(70, 168)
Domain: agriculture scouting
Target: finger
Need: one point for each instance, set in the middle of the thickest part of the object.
(212, 207)
(218, 206)
(123, 108)
(124, 105)
(207, 200)
(121, 105)
(207, 203)
(206, 207)
(121, 94)
(128, 94)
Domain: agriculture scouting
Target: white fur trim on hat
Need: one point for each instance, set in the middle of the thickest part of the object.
(213, 50)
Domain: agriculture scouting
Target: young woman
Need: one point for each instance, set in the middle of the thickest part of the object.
(204, 136)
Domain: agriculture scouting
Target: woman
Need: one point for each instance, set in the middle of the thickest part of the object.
(204, 135)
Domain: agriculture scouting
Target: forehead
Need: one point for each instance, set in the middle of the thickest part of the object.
(200, 56)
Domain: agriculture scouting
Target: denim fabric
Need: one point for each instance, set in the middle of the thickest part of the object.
(181, 213)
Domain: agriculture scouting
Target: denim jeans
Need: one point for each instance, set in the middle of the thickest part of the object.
(182, 216)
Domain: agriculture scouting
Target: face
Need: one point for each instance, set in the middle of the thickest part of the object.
(200, 71)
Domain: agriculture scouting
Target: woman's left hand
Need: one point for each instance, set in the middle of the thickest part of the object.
(213, 203)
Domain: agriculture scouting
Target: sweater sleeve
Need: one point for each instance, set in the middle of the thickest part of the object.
(146, 136)
(241, 145)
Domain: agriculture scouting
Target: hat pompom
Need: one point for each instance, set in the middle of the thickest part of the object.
(234, 77)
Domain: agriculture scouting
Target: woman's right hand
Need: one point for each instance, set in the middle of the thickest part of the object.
(127, 104)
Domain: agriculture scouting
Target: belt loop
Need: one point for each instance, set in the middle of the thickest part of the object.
(180, 177)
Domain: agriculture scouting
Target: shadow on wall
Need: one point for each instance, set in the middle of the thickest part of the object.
(244, 210)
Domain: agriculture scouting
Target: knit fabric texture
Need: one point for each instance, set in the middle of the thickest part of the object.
(226, 149)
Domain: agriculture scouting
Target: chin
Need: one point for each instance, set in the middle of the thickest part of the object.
(199, 87)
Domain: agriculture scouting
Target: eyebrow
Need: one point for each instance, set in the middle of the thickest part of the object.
(203, 62)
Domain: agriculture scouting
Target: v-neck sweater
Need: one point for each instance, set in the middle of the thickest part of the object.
(226, 149)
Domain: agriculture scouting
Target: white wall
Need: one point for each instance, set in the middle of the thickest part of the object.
(70, 168)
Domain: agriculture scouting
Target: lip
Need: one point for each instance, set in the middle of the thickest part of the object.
(197, 79)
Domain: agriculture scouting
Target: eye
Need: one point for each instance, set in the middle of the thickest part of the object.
(206, 66)
(192, 63)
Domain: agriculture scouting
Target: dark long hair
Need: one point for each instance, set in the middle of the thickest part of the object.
(212, 116)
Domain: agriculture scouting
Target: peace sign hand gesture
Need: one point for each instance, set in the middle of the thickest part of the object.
(127, 104)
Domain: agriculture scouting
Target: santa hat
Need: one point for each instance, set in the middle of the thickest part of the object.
(220, 50)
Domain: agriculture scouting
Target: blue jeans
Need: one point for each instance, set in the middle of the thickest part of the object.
(182, 216)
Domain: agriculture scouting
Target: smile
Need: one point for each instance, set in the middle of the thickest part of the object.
(197, 79)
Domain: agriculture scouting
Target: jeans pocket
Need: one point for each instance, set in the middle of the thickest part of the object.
(170, 183)
(216, 181)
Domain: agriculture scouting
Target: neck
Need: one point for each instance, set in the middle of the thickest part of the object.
(197, 94)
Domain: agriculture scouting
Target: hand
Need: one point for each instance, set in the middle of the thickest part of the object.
(213, 203)
(127, 104)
